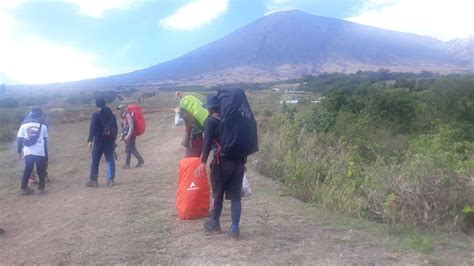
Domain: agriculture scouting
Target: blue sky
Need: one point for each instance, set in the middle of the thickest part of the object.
(64, 40)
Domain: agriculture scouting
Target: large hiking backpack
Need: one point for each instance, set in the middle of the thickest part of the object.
(193, 106)
(192, 197)
(139, 124)
(238, 128)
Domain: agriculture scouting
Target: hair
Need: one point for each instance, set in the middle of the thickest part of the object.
(100, 102)
(36, 113)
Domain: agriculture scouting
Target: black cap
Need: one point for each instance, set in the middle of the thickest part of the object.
(211, 102)
(100, 103)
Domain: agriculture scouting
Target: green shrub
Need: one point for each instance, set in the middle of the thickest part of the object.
(8, 103)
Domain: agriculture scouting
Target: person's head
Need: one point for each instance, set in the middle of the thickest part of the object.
(211, 104)
(179, 94)
(100, 103)
(36, 113)
(122, 108)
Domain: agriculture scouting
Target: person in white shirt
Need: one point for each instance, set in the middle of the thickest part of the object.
(32, 142)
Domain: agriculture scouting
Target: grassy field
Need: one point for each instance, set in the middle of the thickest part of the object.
(136, 223)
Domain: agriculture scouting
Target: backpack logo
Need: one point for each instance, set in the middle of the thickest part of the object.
(192, 187)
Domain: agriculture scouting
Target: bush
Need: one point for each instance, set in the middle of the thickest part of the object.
(397, 156)
(8, 103)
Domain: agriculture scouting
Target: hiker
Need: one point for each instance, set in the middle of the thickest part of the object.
(193, 135)
(102, 135)
(129, 137)
(226, 173)
(32, 178)
(32, 140)
(179, 95)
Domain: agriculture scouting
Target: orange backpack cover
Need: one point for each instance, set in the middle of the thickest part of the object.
(192, 198)
(138, 119)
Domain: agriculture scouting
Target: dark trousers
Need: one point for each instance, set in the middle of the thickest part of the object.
(131, 148)
(226, 177)
(107, 149)
(30, 161)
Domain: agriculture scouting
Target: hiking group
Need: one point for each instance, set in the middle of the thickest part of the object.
(224, 124)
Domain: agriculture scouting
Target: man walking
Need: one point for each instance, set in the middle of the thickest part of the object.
(226, 173)
(129, 137)
(33, 146)
(102, 135)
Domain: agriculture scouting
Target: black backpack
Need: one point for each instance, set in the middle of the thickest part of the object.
(238, 128)
(110, 128)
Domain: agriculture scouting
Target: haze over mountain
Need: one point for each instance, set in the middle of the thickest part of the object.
(287, 44)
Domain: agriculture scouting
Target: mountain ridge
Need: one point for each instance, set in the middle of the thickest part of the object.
(288, 44)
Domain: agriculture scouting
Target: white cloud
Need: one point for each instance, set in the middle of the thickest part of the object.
(97, 8)
(441, 19)
(279, 5)
(195, 14)
(27, 58)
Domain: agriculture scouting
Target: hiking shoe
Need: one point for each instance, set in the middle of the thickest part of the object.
(234, 234)
(110, 183)
(92, 183)
(126, 166)
(212, 227)
(140, 164)
(26, 191)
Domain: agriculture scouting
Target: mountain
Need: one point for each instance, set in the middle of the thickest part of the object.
(287, 44)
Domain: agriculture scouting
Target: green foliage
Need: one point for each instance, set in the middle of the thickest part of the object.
(8, 103)
(10, 119)
(401, 156)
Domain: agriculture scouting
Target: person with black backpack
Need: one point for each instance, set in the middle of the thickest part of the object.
(102, 135)
(32, 142)
(232, 129)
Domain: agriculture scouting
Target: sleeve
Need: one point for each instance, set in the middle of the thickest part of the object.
(45, 139)
(92, 129)
(19, 142)
(209, 129)
(21, 132)
(130, 125)
(45, 131)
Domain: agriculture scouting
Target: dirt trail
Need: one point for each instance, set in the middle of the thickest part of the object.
(135, 221)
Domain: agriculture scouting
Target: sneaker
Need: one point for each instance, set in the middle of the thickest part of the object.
(2, 231)
(26, 191)
(41, 191)
(126, 166)
(212, 227)
(140, 164)
(92, 183)
(110, 183)
(234, 234)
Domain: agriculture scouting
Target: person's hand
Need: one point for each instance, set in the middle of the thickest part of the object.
(19, 157)
(122, 138)
(89, 146)
(201, 170)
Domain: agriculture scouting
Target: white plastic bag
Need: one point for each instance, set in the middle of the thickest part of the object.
(178, 121)
(246, 191)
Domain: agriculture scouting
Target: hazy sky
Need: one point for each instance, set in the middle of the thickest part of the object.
(63, 40)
